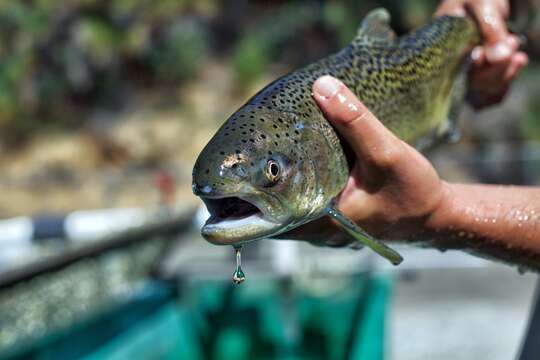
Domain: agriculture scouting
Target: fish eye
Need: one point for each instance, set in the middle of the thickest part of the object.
(272, 170)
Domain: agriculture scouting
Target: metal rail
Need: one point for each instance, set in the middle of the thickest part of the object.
(169, 227)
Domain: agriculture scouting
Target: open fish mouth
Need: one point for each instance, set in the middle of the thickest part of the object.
(234, 220)
(230, 208)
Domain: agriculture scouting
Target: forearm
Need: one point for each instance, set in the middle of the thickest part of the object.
(501, 222)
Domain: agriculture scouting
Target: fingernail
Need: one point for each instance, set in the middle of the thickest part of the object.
(513, 41)
(459, 11)
(476, 54)
(499, 51)
(326, 87)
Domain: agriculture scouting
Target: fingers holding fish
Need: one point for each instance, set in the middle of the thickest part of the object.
(392, 186)
(490, 16)
(368, 137)
(478, 7)
(504, 7)
(479, 55)
(490, 83)
(501, 73)
(519, 61)
(497, 61)
(451, 7)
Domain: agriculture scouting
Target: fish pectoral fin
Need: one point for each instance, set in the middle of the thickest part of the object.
(376, 27)
(356, 232)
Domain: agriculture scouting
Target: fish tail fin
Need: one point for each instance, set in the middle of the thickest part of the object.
(356, 232)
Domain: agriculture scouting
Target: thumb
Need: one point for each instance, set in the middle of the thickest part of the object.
(366, 135)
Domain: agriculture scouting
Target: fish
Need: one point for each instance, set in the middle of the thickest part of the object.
(277, 163)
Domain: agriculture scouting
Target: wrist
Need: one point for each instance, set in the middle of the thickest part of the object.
(440, 218)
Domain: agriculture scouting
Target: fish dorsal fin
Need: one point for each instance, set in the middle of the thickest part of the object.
(376, 28)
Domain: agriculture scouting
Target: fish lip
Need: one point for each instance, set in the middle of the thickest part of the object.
(239, 231)
(234, 231)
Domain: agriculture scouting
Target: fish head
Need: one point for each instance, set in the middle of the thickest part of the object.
(253, 176)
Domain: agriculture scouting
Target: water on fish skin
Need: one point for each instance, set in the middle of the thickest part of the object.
(276, 163)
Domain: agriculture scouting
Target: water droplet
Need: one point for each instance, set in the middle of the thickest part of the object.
(238, 275)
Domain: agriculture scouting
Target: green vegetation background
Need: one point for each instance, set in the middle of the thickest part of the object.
(61, 59)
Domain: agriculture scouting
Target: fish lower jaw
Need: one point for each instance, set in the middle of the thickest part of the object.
(235, 231)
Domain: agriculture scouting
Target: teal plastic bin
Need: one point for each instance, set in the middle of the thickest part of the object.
(217, 320)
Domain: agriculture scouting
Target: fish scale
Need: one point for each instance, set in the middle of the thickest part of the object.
(279, 153)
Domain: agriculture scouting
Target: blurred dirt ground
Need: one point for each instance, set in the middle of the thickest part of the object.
(114, 161)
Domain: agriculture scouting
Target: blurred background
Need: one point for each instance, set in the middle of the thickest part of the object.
(104, 106)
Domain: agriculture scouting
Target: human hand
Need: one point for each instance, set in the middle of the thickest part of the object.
(497, 62)
(392, 189)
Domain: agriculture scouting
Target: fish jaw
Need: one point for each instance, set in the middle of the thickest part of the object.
(238, 231)
(235, 220)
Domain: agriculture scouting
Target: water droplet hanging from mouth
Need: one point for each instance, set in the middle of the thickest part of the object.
(238, 275)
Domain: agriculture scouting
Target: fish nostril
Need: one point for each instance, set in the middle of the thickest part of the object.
(240, 171)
